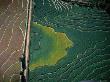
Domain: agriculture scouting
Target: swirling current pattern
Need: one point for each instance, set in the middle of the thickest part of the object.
(88, 28)
(13, 16)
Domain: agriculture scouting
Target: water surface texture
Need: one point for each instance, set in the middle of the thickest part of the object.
(13, 17)
(69, 43)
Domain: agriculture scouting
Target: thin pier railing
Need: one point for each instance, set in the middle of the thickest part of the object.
(25, 57)
(27, 41)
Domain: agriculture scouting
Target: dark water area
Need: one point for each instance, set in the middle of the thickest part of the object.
(89, 29)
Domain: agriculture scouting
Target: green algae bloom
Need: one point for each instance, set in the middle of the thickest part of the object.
(53, 47)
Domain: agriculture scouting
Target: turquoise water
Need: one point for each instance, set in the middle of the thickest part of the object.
(88, 28)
